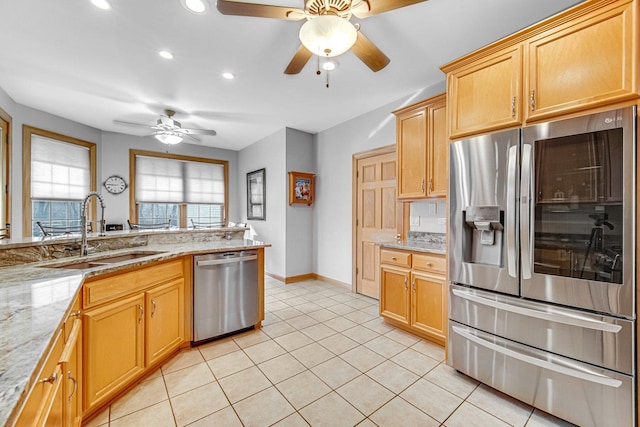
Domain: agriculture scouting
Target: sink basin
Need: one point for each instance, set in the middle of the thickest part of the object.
(96, 262)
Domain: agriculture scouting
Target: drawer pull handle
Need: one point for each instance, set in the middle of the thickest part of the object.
(52, 379)
(532, 100)
(406, 283)
(513, 106)
(76, 314)
(394, 258)
(429, 264)
(75, 385)
(153, 302)
(413, 285)
(141, 313)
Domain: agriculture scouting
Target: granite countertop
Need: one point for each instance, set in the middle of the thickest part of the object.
(420, 241)
(36, 297)
(416, 246)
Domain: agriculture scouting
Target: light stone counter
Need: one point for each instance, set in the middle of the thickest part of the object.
(35, 297)
(417, 241)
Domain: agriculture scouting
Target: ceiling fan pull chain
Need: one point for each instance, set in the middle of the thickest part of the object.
(318, 72)
(328, 78)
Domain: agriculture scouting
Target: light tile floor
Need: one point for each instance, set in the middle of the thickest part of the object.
(323, 358)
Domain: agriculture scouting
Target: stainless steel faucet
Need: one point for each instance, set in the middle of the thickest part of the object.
(83, 220)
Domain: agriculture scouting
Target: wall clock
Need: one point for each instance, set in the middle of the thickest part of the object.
(115, 184)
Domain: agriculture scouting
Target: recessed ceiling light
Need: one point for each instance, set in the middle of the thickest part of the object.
(228, 76)
(166, 54)
(196, 6)
(101, 4)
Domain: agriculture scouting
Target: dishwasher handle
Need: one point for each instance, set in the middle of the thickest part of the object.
(209, 262)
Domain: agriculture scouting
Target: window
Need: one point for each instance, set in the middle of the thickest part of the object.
(59, 172)
(5, 211)
(179, 189)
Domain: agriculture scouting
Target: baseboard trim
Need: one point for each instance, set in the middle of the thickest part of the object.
(300, 278)
(309, 276)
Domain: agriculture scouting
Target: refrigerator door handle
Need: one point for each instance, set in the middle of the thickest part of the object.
(511, 212)
(525, 212)
(598, 379)
(572, 320)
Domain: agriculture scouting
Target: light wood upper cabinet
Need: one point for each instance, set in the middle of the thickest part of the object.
(422, 147)
(485, 94)
(165, 320)
(583, 63)
(438, 170)
(581, 58)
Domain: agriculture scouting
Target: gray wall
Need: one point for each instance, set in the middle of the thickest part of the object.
(114, 159)
(300, 158)
(268, 153)
(112, 153)
(335, 147)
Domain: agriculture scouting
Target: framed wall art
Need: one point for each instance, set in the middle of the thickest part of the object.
(301, 188)
(256, 195)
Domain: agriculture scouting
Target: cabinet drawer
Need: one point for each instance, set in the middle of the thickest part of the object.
(106, 289)
(428, 262)
(402, 259)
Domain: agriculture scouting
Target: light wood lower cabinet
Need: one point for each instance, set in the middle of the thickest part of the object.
(164, 320)
(127, 335)
(413, 293)
(54, 398)
(114, 354)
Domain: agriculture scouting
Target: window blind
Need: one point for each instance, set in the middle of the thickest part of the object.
(59, 170)
(160, 180)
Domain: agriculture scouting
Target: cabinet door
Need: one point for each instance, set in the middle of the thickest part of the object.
(114, 349)
(394, 294)
(44, 405)
(411, 138)
(582, 64)
(484, 95)
(71, 363)
(429, 305)
(165, 320)
(438, 150)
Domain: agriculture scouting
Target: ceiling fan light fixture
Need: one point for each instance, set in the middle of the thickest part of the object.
(198, 7)
(169, 138)
(329, 65)
(328, 35)
(166, 54)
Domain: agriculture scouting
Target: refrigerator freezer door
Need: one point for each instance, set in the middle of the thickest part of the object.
(592, 338)
(583, 394)
(483, 240)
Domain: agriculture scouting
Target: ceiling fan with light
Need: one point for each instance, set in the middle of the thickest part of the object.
(170, 131)
(328, 31)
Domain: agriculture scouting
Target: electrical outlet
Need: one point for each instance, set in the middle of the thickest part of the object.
(414, 220)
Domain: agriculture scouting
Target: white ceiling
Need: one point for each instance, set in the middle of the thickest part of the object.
(92, 66)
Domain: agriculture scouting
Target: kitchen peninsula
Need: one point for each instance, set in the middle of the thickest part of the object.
(44, 285)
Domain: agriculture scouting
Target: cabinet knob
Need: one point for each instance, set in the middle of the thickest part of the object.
(76, 314)
(394, 258)
(429, 264)
(52, 379)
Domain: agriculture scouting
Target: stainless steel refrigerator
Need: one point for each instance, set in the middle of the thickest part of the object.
(541, 265)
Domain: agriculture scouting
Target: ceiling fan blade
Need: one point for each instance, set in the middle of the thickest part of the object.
(227, 7)
(198, 132)
(369, 53)
(120, 122)
(381, 6)
(298, 61)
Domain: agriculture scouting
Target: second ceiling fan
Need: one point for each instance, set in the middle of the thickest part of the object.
(328, 31)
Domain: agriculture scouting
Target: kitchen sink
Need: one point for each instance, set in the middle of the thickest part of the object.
(101, 261)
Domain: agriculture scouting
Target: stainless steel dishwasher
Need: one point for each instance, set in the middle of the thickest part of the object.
(225, 294)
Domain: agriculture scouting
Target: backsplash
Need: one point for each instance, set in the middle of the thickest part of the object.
(429, 216)
(427, 237)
